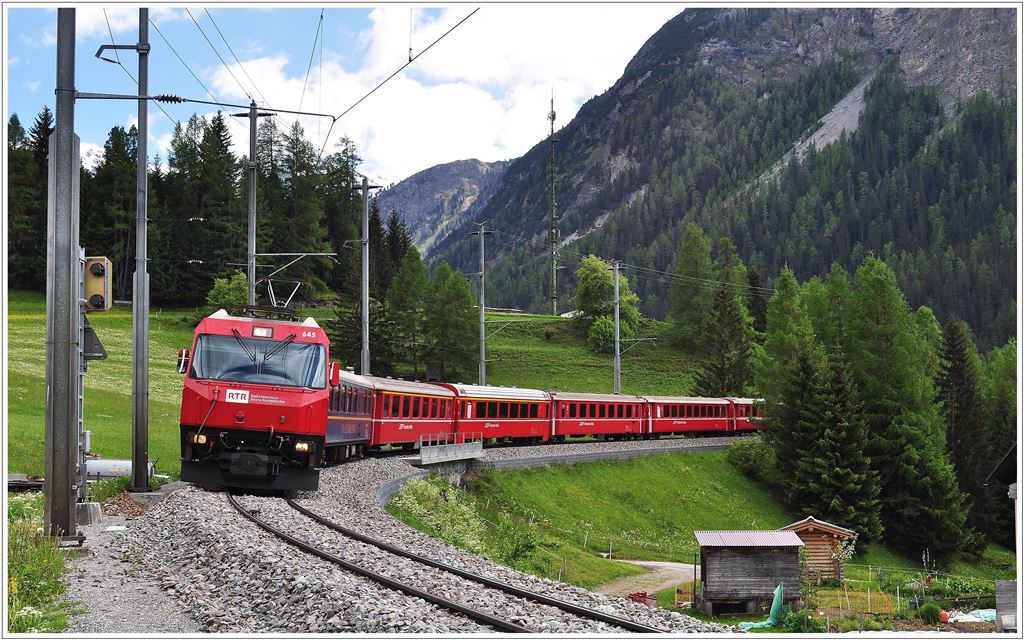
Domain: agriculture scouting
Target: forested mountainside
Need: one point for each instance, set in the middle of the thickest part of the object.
(718, 97)
(433, 202)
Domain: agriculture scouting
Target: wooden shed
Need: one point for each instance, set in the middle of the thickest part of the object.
(821, 539)
(741, 569)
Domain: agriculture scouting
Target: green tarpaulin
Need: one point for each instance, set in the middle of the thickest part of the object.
(773, 615)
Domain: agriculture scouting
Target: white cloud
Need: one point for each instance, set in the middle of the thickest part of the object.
(92, 155)
(13, 61)
(33, 85)
(483, 91)
(90, 21)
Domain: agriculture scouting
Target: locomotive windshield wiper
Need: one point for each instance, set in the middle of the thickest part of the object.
(281, 345)
(245, 347)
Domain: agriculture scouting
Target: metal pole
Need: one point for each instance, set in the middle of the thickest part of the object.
(618, 355)
(140, 295)
(62, 299)
(483, 335)
(364, 356)
(553, 231)
(251, 258)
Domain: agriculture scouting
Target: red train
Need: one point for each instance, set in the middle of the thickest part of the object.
(263, 407)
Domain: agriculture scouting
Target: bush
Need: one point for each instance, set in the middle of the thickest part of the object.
(930, 612)
(754, 459)
(229, 294)
(801, 622)
(601, 335)
(445, 509)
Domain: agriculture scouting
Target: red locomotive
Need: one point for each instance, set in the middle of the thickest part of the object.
(254, 404)
(264, 408)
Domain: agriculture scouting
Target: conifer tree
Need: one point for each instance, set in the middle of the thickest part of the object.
(967, 442)
(406, 307)
(690, 297)
(788, 333)
(921, 503)
(380, 261)
(999, 393)
(451, 325)
(726, 346)
(840, 485)
(793, 424)
(39, 138)
(757, 299)
(397, 240)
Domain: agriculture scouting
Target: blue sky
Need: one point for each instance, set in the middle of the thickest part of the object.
(481, 92)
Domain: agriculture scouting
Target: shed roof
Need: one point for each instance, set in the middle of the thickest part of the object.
(748, 539)
(811, 521)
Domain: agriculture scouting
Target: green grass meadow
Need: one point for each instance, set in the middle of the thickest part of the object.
(108, 393)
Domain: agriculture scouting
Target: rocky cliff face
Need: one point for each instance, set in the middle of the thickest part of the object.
(959, 51)
(433, 202)
(611, 153)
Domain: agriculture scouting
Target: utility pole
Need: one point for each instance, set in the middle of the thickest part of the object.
(618, 356)
(140, 294)
(482, 232)
(63, 304)
(364, 355)
(553, 229)
(250, 262)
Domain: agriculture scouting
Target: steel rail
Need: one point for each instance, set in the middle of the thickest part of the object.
(478, 616)
(568, 607)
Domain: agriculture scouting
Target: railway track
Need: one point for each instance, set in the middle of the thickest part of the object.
(483, 617)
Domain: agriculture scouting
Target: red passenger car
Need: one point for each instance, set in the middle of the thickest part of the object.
(678, 415)
(747, 414)
(254, 403)
(603, 415)
(503, 414)
(403, 411)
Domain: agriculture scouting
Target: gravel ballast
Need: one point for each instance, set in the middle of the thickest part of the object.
(235, 577)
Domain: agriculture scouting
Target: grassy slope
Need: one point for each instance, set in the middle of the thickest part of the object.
(108, 400)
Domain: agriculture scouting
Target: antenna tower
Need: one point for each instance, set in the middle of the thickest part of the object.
(553, 230)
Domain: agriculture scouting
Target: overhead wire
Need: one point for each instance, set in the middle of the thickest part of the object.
(192, 73)
(385, 80)
(309, 67)
(129, 73)
(219, 57)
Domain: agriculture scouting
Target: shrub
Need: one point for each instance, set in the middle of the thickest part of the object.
(443, 508)
(754, 459)
(229, 294)
(601, 335)
(801, 622)
(930, 612)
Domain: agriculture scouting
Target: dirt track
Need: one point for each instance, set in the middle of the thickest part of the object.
(659, 576)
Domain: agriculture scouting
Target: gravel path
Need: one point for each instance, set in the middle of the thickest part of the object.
(116, 597)
(659, 576)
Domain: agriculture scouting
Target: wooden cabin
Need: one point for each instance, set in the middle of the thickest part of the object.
(821, 540)
(739, 570)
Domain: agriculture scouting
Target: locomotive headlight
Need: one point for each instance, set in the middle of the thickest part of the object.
(196, 438)
(303, 447)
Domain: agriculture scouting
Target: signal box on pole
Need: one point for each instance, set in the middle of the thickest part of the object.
(97, 278)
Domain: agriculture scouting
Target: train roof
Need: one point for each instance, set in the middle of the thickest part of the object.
(495, 393)
(593, 397)
(221, 314)
(354, 379)
(685, 399)
(408, 386)
(746, 400)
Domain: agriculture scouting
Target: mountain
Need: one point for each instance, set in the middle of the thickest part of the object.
(453, 191)
(702, 125)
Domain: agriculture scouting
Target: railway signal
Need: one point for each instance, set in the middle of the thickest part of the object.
(97, 276)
